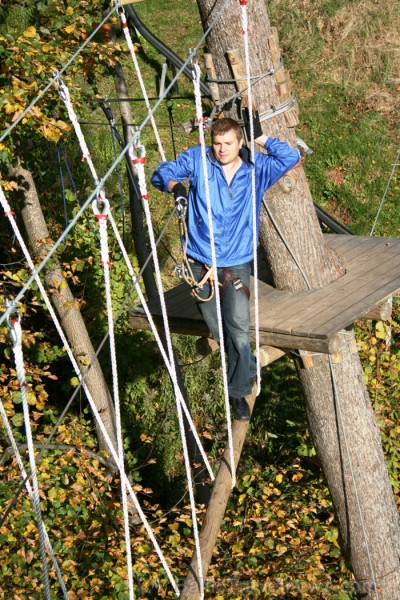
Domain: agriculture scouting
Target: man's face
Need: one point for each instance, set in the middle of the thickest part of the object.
(226, 147)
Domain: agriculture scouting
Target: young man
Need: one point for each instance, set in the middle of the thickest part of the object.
(229, 174)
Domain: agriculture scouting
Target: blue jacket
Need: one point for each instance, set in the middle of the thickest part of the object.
(231, 204)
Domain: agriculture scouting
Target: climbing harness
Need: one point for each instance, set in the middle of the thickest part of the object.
(235, 281)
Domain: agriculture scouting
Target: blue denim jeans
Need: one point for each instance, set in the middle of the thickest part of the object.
(235, 312)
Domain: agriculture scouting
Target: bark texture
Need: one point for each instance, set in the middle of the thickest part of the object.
(342, 423)
(65, 304)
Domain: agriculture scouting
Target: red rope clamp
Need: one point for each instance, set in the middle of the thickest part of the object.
(101, 215)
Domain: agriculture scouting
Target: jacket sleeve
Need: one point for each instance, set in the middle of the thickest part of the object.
(280, 159)
(175, 170)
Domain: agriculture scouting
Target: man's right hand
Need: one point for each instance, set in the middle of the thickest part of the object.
(254, 118)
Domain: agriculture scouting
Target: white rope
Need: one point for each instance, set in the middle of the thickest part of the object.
(28, 486)
(81, 376)
(139, 162)
(244, 16)
(102, 217)
(395, 165)
(64, 92)
(199, 119)
(62, 70)
(160, 344)
(124, 481)
(16, 336)
(131, 47)
(118, 159)
(356, 494)
(10, 215)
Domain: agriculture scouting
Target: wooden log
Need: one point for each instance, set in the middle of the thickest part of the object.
(273, 43)
(268, 354)
(292, 116)
(212, 75)
(239, 72)
(306, 359)
(219, 498)
(380, 312)
(197, 327)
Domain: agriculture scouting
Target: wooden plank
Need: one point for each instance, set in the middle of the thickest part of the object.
(309, 319)
(350, 247)
(334, 299)
(284, 307)
(351, 313)
(374, 276)
(290, 342)
(196, 327)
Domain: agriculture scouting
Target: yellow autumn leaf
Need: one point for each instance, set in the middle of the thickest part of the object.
(279, 478)
(30, 32)
(63, 126)
(69, 28)
(297, 476)
(8, 186)
(51, 133)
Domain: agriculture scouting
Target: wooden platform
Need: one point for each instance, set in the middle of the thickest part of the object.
(307, 320)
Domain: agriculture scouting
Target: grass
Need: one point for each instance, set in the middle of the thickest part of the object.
(343, 58)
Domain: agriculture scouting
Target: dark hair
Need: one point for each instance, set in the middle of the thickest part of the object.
(221, 126)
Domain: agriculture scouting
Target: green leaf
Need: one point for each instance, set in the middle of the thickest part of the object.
(17, 419)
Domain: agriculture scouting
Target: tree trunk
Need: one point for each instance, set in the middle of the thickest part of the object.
(65, 304)
(343, 426)
(138, 230)
(221, 490)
